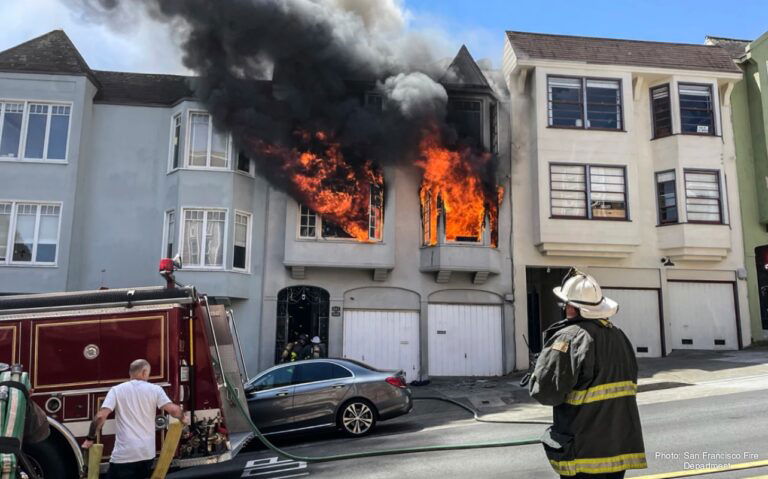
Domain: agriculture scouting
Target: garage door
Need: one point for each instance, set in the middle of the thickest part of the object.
(464, 340)
(638, 317)
(384, 339)
(702, 315)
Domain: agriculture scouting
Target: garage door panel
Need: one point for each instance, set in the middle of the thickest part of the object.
(703, 316)
(638, 317)
(384, 339)
(464, 340)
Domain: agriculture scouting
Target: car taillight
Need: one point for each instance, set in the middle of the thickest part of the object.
(398, 382)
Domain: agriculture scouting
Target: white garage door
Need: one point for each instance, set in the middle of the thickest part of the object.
(384, 339)
(638, 317)
(703, 316)
(464, 340)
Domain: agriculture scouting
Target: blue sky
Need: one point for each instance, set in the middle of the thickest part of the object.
(479, 24)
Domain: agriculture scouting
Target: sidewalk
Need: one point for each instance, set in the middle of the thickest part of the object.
(681, 375)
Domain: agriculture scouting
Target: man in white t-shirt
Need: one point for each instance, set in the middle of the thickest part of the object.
(135, 404)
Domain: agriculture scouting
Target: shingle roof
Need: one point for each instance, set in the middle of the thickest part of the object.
(735, 48)
(52, 52)
(142, 88)
(612, 51)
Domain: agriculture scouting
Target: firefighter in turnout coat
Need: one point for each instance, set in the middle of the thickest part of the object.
(588, 372)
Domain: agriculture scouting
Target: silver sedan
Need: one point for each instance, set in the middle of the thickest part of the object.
(321, 393)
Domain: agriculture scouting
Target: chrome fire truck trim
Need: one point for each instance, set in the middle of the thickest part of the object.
(125, 305)
(71, 440)
(90, 312)
(73, 392)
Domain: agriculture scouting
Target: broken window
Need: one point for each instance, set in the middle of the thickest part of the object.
(376, 213)
(374, 102)
(314, 226)
(465, 116)
(243, 163)
(208, 148)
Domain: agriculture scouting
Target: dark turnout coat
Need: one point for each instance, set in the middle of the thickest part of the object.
(588, 372)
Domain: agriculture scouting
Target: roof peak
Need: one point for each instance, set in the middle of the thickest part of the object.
(465, 71)
(51, 52)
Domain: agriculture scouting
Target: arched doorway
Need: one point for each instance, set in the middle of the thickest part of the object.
(301, 310)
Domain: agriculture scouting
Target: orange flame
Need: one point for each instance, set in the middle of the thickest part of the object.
(321, 179)
(453, 192)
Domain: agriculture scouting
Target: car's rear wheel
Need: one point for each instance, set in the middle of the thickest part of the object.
(357, 417)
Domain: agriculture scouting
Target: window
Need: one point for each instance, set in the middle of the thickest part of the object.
(275, 379)
(307, 223)
(667, 197)
(696, 109)
(203, 238)
(208, 148)
(702, 196)
(314, 226)
(374, 102)
(175, 138)
(320, 371)
(170, 233)
(29, 232)
(47, 131)
(243, 163)
(464, 115)
(661, 111)
(571, 99)
(494, 127)
(573, 187)
(375, 213)
(10, 136)
(241, 258)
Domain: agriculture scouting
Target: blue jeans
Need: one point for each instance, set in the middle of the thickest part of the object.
(130, 470)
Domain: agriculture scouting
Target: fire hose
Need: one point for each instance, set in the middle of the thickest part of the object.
(388, 452)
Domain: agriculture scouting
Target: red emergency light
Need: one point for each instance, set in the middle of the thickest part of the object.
(166, 265)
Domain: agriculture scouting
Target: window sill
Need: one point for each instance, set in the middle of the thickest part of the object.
(243, 173)
(29, 265)
(203, 268)
(240, 271)
(339, 241)
(710, 223)
(614, 130)
(204, 168)
(34, 160)
(626, 220)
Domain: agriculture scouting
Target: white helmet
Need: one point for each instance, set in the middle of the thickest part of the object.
(582, 291)
(316, 340)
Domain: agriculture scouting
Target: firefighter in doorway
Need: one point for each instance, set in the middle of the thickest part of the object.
(588, 372)
(314, 350)
(294, 350)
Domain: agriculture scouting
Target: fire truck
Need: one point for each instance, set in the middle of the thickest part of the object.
(77, 345)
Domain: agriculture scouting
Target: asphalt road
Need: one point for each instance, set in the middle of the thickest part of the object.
(675, 432)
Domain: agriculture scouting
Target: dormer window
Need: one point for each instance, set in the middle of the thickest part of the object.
(584, 103)
(466, 116)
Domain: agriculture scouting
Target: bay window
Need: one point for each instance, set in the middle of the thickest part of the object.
(666, 191)
(10, 136)
(208, 148)
(588, 192)
(703, 202)
(661, 111)
(584, 103)
(170, 234)
(314, 226)
(203, 238)
(29, 232)
(175, 141)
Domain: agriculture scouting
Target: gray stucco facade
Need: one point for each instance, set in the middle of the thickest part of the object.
(117, 186)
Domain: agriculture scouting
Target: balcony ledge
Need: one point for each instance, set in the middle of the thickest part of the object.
(586, 250)
(445, 259)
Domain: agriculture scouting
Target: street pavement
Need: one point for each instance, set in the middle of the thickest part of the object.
(697, 408)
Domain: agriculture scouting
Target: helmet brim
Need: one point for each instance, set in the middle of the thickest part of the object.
(605, 309)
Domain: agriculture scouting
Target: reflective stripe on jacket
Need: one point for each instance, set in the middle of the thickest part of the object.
(588, 372)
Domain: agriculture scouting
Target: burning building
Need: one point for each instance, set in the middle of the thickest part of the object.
(352, 188)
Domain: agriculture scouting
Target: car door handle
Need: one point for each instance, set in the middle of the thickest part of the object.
(281, 394)
(339, 386)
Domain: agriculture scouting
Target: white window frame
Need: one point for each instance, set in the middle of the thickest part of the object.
(248, 238)
(12, 232)
(180, 116)
(166, 231)
(188, 144)
(319, 226)
(21, 155)
(236, 158)
(224, 241)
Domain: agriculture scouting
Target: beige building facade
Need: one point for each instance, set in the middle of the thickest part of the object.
(623, 165)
